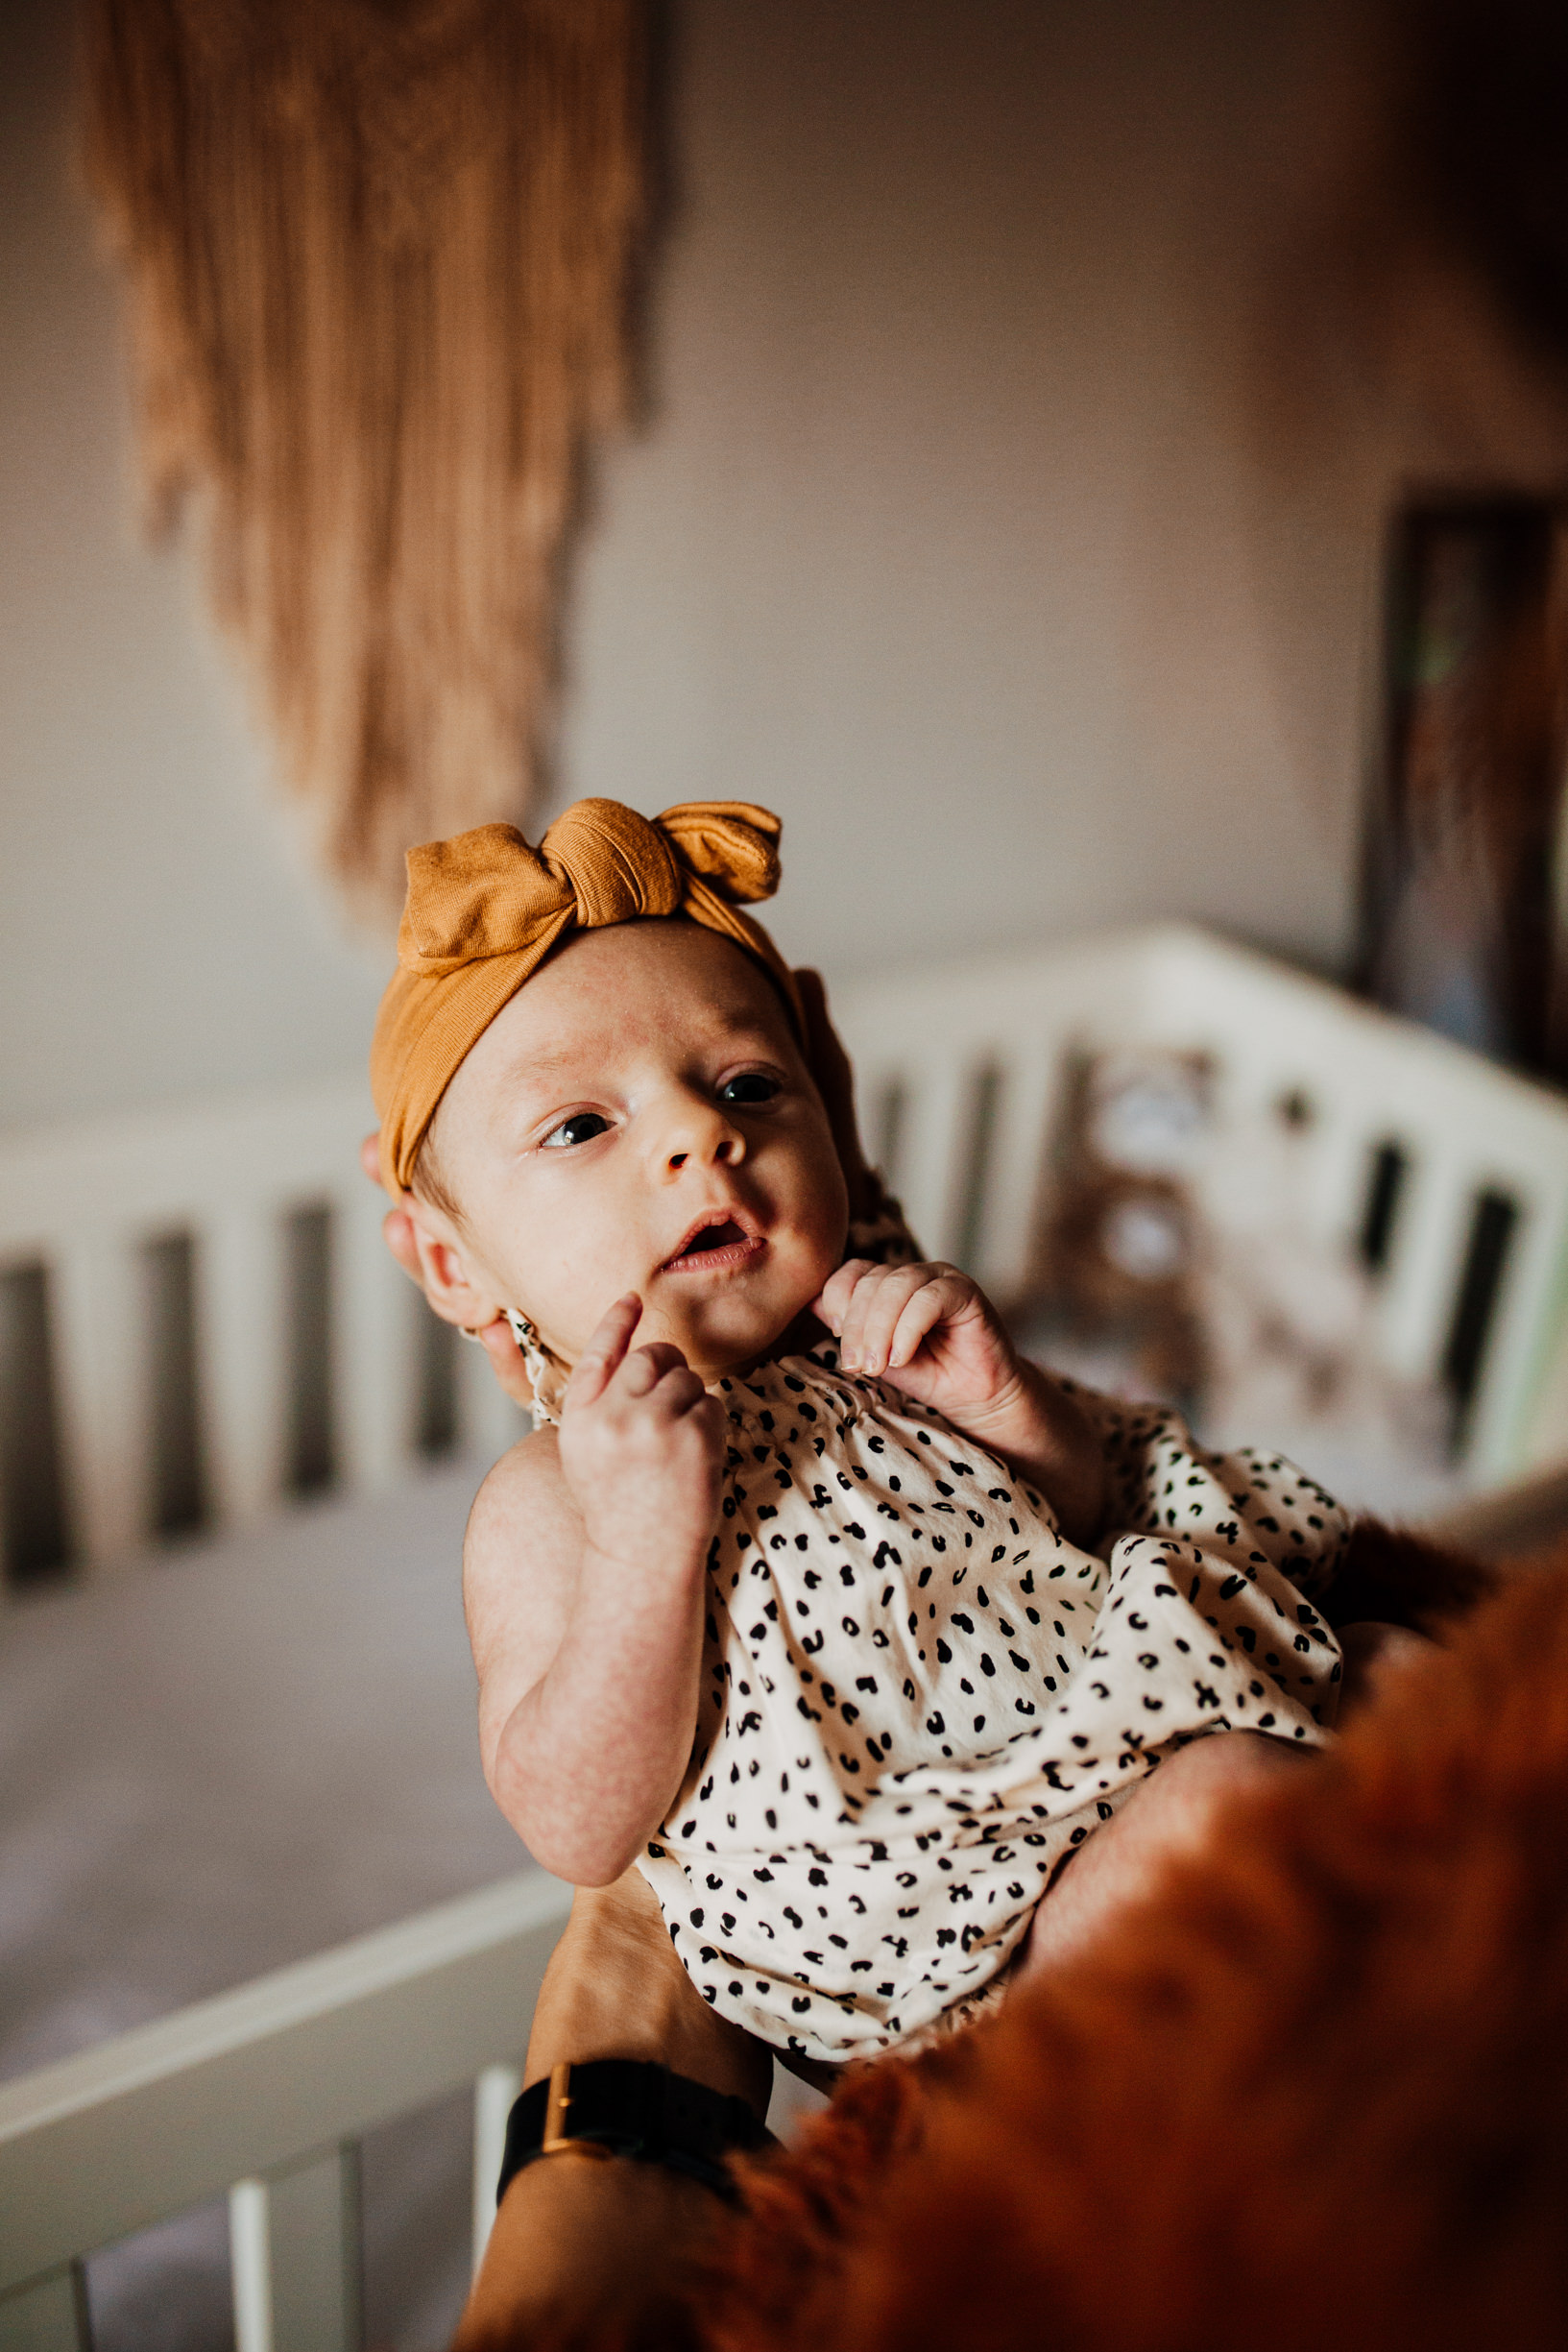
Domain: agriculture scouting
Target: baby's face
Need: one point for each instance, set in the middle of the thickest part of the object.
(638, 1118)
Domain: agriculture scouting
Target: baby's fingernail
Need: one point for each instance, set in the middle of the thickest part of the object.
(849, 1360)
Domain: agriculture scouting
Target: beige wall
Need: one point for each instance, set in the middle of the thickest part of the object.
(1029, 386)
(154, 938)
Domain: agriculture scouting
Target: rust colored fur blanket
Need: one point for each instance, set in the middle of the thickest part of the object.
(1316, 2094)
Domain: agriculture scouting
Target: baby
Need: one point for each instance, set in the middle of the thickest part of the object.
(849, 1647)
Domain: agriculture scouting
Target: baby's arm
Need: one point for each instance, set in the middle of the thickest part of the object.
(583, 1582)
(931, 1332)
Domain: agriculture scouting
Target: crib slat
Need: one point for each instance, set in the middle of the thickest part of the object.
(240, 1310)
(1418, 1299)
(492, 2095)
(1006, 1235)
(169, 2113)
(933, 1150)
(374, 1346)
(103, 1392)
(295, 2253)
(49, 2314)
(1516, 1359)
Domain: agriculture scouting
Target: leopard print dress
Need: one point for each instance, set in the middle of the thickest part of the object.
(918, 1697)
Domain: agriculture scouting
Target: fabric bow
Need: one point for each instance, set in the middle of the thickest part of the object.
(484, 910)
(487, 893)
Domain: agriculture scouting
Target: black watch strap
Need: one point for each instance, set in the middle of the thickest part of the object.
(629, 2107)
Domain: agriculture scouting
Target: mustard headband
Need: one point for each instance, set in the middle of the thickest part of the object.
(484, 910)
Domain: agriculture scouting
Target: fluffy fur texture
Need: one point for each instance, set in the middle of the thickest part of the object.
(1313, 2095)
(1399, 1578)
(379, 257)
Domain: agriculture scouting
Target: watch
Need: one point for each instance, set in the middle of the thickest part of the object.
(631, 2107)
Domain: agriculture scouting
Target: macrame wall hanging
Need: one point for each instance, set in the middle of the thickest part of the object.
(378, 254)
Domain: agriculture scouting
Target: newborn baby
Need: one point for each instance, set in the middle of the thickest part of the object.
(850, 1648)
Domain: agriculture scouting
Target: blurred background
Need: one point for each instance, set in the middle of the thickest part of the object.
(1029, 393)
(1085, 468)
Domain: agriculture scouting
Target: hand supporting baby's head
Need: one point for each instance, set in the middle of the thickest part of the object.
(640, 1117)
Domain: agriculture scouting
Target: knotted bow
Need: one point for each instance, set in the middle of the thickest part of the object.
(487, 893)
(484, 910)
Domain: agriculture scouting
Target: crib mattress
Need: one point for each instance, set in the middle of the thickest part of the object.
(224, 1758)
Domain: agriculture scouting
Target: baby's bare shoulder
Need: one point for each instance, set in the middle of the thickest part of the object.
(523, 1533)
(525, 1483)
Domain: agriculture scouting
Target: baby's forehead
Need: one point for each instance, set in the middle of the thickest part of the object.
(610, 991)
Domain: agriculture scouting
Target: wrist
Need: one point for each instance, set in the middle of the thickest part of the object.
(999, 1420)
(1044, 1439)
(644, 1560)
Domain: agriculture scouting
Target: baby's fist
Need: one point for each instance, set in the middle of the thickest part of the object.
(641, 1444)
(929, 1330)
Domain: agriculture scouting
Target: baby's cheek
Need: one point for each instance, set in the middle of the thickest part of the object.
(825, 1205)
(818, 1222)
(563, 1308)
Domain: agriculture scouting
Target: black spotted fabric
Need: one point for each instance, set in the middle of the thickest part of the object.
(917, 1697)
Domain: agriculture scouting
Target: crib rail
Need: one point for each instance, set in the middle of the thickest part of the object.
(960, 1072)
(264, 2092)
(202, 1314)
(215, 1308)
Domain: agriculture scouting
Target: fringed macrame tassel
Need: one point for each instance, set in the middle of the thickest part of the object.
(378, 254)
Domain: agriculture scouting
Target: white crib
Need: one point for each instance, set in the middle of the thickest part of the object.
(258, 1211)
(263, 2093)
(281, 1278)
(960, 1072)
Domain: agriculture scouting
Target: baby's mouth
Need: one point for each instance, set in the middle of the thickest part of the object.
(715, 1242)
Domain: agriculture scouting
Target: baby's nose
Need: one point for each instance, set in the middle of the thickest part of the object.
(726, 1152)
(703, 1135)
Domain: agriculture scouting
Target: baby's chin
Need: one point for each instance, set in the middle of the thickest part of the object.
(719, 1336)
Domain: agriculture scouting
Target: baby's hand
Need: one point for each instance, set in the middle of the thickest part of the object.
(931, 1332)
(641, 1445)
(928, 1330)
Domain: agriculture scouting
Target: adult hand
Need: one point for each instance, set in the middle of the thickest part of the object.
(397, 1232)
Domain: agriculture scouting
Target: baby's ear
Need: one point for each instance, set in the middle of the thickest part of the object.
(448, 1278)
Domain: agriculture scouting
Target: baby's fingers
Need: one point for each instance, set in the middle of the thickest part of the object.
(873, 1313)
(649, 1367)
(602, 1357)
(838, 1289)
(931, 1304)
(679, 1391)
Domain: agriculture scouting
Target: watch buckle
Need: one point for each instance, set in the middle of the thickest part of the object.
(556, 2140)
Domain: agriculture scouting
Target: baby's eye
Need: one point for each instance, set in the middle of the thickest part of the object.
(581, 1127)
(751, 1086)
